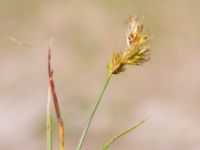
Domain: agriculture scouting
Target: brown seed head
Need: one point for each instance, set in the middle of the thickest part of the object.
(137, 51)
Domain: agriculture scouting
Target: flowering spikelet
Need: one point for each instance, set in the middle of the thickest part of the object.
(137, 51)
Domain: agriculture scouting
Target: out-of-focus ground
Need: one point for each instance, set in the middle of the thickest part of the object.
(85, 33)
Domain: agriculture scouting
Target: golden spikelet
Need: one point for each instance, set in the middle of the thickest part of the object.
(137, 51)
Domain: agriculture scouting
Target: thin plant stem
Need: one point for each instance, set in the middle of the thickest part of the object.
(91, 114)
(49, 121)
(112, 140)
(26, 45)
(56, 104)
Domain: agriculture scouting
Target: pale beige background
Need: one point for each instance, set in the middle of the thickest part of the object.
(85, 34)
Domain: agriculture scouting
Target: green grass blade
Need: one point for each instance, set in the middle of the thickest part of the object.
(112, 140)
(49, 122)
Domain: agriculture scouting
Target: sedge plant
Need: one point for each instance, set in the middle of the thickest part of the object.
(136, 52)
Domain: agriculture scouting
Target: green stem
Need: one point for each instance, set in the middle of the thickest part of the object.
(91, 115)
(49, 122)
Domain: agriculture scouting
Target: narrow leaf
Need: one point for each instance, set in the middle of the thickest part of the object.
(112, 140)
(55, 101)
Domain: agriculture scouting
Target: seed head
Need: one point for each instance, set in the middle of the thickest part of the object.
(136, 52)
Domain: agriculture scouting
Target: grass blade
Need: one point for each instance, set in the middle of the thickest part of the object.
(112, 140)
(49, 121)
(56, 104)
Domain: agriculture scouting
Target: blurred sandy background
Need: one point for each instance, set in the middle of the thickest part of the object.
(85, 34)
